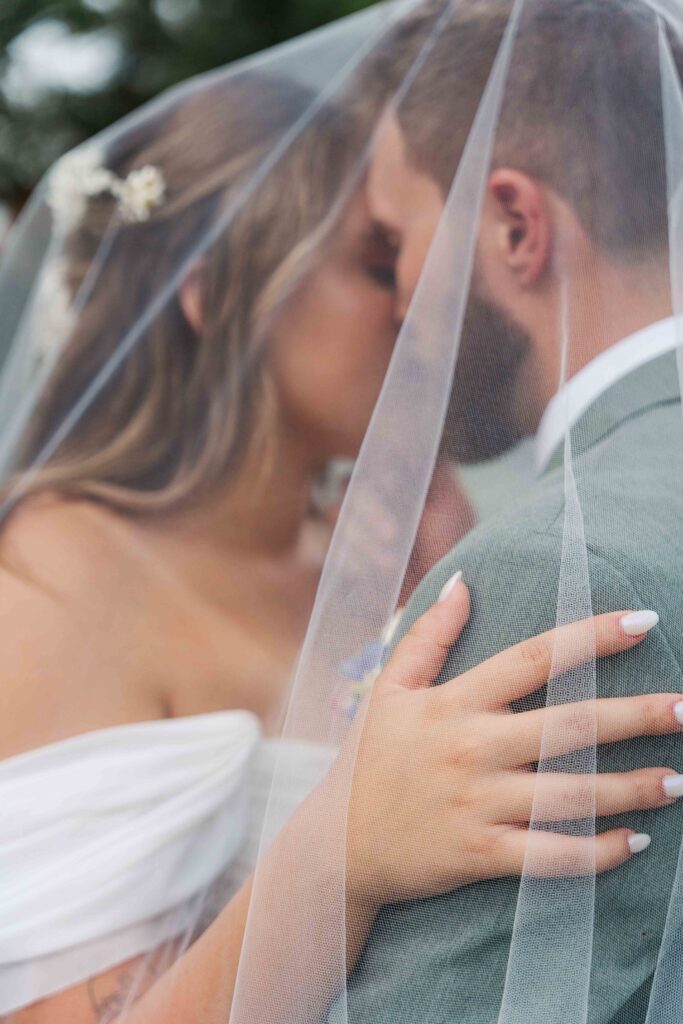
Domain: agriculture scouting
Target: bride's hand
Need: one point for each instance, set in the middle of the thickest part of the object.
(442, 787)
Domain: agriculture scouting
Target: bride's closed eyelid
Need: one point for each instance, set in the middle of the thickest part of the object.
(384, 276)
(378, 259)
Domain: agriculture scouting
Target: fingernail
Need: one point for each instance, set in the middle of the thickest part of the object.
(678, 712)
(638, 842)
(637, 623)
(673, 786)
(450, 586)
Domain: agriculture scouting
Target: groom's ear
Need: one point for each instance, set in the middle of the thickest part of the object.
(519, 219)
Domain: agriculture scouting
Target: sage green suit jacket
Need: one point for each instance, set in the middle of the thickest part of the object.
(444, 960)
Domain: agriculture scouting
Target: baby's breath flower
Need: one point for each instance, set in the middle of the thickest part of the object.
(81, 175)
(74, 179)
(141, 192)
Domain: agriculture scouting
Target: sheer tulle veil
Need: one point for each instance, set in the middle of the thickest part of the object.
(249, 172)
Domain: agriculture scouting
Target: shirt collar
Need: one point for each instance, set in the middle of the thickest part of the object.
(583, 389)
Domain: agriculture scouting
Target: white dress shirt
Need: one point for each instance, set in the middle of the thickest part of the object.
(583, 389)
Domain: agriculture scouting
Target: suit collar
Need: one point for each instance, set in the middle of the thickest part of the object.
(637, 372)
(654, 384)
(586, 387)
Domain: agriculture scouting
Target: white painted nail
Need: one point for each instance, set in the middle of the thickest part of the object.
(673, 786)
(450, 586)
(639, 842)
(678, 712)
(637, 623)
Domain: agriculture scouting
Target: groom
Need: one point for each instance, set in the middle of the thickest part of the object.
(580, 171)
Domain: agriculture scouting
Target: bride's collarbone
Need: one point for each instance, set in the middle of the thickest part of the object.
(228, 664)
(134, 638)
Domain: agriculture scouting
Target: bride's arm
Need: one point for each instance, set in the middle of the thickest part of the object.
(201, 985)
(441, 797)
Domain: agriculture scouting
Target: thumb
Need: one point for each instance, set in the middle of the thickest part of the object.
(421, 654)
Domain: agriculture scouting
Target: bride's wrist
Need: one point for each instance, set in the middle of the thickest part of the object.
(362, 888)
(337, 851)
(313, 844)
(315, 833)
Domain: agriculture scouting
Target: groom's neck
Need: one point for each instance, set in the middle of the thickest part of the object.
(599, 308)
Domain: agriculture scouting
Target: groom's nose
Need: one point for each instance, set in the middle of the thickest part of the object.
(404, 294)
(400, 310)
(409, 265)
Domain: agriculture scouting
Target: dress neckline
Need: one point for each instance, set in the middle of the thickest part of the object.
(202, 724)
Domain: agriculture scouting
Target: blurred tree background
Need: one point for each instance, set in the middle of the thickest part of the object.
(70, 67)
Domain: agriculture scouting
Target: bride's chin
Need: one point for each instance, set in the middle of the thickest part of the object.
(339, 447)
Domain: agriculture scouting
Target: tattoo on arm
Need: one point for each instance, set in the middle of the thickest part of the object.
(111, 995)
(109, 998)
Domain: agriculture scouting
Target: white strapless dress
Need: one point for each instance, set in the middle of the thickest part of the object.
(108, 840)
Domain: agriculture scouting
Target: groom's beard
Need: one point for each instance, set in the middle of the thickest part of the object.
(485, 415)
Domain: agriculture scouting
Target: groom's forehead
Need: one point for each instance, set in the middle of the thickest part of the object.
(388, 158)
(396, 188)
(384, 184)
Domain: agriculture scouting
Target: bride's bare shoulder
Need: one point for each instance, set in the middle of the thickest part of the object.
(64, 587)
(58, 543)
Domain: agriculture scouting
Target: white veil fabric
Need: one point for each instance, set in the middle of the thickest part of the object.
(538, 372)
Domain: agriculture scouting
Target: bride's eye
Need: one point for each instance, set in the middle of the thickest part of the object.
(384, 276)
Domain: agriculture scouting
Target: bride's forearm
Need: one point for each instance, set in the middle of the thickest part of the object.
(300, 879)
(200, 985)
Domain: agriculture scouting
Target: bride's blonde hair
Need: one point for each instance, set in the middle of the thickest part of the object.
(176, 419)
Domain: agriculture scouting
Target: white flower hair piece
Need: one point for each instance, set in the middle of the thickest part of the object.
(140, 193)
(74, 179)
(80, 175)
(52, 316)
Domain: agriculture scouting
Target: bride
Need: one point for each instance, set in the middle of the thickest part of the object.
(159, 566)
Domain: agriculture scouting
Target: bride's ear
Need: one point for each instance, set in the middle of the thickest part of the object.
(191, 298)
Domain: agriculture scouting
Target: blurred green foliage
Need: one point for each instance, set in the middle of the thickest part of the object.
(160, 42)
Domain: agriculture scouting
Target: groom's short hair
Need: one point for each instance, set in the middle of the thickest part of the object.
(582, 106)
